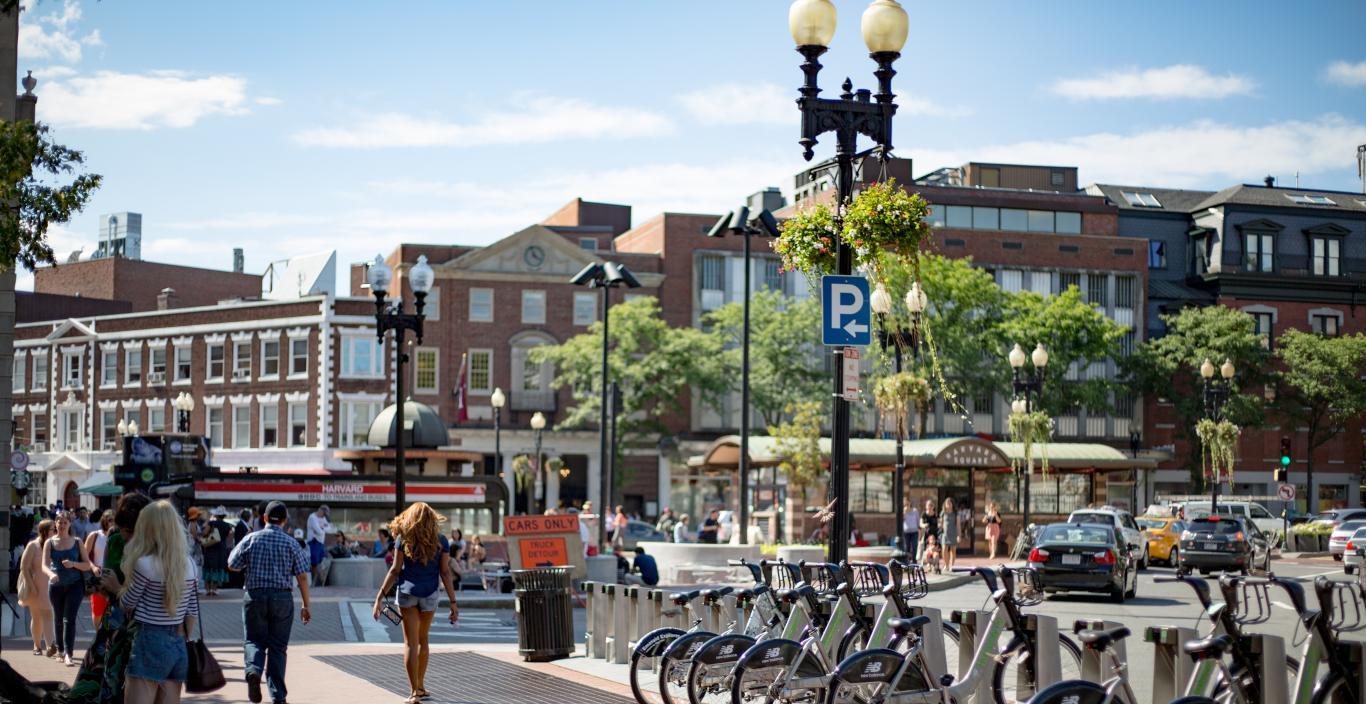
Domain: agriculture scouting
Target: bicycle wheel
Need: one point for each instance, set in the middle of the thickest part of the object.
(1292, 674)
(864, 677)
(675, 663)
(1006, 685)
(1071, 692)
(1334, 690)
(644, 659)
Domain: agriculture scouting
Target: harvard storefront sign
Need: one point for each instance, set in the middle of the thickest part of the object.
(338, 492)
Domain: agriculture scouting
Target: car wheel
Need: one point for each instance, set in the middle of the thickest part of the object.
(1133, 591)
(1349, 569)
(1174, 557)
(1117, 594)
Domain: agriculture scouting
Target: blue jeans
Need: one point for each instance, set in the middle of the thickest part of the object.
(159, 654)
(66, 606)
(268, 615)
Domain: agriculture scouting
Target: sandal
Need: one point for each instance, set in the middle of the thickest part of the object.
(423, 694)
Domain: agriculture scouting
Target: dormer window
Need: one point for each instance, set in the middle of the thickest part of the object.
(1141, 200)
(1309, 199)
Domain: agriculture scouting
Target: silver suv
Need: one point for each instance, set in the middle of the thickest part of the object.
(1123, 523)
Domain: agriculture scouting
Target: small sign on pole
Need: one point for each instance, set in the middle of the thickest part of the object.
(851, 374)
(846, 318)
(1286, 492)
(18, 459)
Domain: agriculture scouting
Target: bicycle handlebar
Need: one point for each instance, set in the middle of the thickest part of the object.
(987, 574)
(1292, 589)
(1199, 585)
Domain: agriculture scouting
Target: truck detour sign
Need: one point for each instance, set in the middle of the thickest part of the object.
(545, 541)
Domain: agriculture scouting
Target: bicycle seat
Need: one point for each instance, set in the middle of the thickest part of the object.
(682, 598)
(796, 593)
(1100, 640)
(711, 595)
(906, 626)
(1208, 648)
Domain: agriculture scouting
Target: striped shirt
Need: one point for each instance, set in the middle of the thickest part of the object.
(145, 599)
(271, 558)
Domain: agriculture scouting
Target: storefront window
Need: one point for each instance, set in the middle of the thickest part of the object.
(1004, 489)
(1059, 493)
(870, 491)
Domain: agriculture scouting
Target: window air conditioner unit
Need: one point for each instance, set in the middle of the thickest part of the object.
(40, 447)
(156, 377)
(243, 374)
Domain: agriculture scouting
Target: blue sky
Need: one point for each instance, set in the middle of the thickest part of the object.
(288, 128)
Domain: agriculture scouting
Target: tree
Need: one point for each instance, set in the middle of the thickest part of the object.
(656, 366)
(1322, 388)
(784, 352)
(1168, 368)
(31, 170)
(798, 442)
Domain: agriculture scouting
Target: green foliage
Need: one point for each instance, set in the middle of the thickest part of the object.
(808, 241)
(799, 443)
(32, 175)
(784, 354)
(1313, 528)
(1074, 332)
(523, 472)
(1219, 448)
(895, 395)
(1031, 430)
(1322, 385)
(882, 219)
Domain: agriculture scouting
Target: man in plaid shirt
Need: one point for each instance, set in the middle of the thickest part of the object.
(272, 560)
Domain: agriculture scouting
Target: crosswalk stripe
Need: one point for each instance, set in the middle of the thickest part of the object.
(371, 630)
(348, 628)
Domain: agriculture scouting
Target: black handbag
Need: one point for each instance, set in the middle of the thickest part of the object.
(204, 673)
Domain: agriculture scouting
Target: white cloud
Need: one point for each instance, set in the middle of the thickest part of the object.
(772, 104)
(114, 100)
(1202, 154)
(533, 119)
(1347, 74)
(1176, 81)
(267, 101)
(54, 36)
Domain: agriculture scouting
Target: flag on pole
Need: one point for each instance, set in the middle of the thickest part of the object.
(462, 410)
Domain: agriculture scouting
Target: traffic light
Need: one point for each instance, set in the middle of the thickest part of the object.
(1282, 473)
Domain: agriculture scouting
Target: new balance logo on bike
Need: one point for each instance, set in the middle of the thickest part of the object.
(773, 653)
(1073, 699)
(872, 668)
(726, 650)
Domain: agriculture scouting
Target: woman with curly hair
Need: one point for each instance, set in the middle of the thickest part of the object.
(421, 565)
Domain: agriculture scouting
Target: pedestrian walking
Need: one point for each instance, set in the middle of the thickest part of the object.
(272, 561)
(682, 531)
(666, 523)
(196, 526)
(33, 592)
(316, 539)
(239, 532)
(711, 526)
(619, 523)
(162, 596)
(64, 560)
(95, 546)
(218, 543)
(422, 564)
(993, 523)
(80, 523)
(929, 524)
(910, 530)
(950, 520)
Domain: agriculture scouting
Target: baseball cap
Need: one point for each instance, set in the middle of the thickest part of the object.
(276, 512)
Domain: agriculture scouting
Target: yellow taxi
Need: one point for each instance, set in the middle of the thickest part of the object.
(1164, 536)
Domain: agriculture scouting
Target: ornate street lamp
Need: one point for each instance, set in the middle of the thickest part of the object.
(1216, 395)
(390, 316)
(538, 425)
(1029, 384)
(812, 24)
(881, 303)
(498, 400)
(184, 406)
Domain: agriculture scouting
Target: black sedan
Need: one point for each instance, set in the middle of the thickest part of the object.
(1084, 557)
(1224, 543)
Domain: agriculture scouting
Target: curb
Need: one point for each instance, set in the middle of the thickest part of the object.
(950, 582)
(1304, 555)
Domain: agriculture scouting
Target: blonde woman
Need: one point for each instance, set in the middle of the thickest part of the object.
(161, 594)
(949, 516)
(422, 564)
(33, 591)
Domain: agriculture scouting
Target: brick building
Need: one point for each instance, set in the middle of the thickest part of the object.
(141, 282)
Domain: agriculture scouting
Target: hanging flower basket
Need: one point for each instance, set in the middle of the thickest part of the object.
(1031, 430)
(897, 394)
(523, 472)
(808, 241)
(1218, 447)
(885, 218)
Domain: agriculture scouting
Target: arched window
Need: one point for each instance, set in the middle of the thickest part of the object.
(532, 383)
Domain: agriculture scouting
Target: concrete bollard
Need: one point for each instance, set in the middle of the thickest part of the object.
(590, 610)
(642, 612)
(1094, 666)
(618, 630)
(970, 623)
(933, 634)
(1172, 667)
(1270, 653)
(1047, 662)
(602, 625)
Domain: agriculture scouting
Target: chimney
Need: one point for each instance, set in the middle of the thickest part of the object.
(238, 260)
(166, 300)
(1270, 181)
(1361, 166)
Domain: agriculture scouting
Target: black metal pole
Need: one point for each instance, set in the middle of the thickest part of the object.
(498, 457)
(612, 447)
(539, 479)
(898, 499)
(744, 406)
(1212, 412)
(839, 446)
(604, 463)
(400, 464)
(1029, 466)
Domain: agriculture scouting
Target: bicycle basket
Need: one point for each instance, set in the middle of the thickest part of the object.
(822, 576)
(913, 583)
(1253, 604)
(781, 574)
(869, 578)
(1348, 608)
(1028, 587)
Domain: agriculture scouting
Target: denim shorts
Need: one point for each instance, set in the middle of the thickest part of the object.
(159, 654)
(421, 603)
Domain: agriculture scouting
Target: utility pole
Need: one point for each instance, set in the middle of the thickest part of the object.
(9, 74)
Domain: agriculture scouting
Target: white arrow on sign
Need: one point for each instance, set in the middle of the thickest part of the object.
(853, 327)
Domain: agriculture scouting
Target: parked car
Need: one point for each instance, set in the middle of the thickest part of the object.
(1337, 540)
(639, 532)
(1268, 522)
(1164, 537)
(1088, 557)
(1224, 543)
(1338, 516)
(1355, 553)
(1123, 523)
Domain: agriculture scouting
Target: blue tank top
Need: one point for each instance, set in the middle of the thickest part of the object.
(66, 575)
(421, 579)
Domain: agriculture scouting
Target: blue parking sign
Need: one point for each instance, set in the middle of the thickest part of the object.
(846, 318)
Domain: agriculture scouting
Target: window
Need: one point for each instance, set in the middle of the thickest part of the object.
(1306, 199)
(533, 307)
(1325, 253)
(215, 366)
(362, 357)
(531, 375)
(481, 305)
(215, 426)
(1262, 326)
(298, 424)
(585, 308)
(182, 364)
(132, 366)
(1157, 255)
(356, 419)
(1014, 220)
(241, 426)
(1056, 178)
(18, 380)
(1012, 280)
(713, 272)
(1258, 250)
(158, 363)
(1200, 247)
(1040, 221)
(431, 307)
(986, 219)
(959, 216)
(241, 360)
(424, 370)
(109, 368)
(773, 274)
(71, 371)
(1325, 324)
(270, 358)
(481, 371)
(298, 357)
(588, 243)
(270, 425)
(156, 419)
(1141, 200)
(1126, 343)
(39, 372)
(1095, 289)
(71, 429)
(39, 430)
(109, 429)
(1126, 290)
(1069, 223)
(1068, 279)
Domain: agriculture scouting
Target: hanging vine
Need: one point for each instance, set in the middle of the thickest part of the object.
(896, 395)
(1031, 430)
(1218, 447)
(523, 471)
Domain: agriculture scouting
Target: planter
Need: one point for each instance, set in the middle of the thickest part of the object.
(797, 553)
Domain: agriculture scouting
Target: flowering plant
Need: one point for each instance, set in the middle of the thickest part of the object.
(1030, 429)
(884, 217)
(1218, 447)
(894, 396)
(808, 241)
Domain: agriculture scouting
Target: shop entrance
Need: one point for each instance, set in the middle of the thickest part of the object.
(938, 484)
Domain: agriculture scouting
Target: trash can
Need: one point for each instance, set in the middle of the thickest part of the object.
(545, 616)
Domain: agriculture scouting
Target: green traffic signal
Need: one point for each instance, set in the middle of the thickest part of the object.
(1285, 460)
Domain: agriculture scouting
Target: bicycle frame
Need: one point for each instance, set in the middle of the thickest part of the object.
(983, 659)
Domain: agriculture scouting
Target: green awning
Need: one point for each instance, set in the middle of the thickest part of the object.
(99, 484)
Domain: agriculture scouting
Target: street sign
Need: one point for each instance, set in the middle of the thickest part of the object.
(1286, 492)
(850, 380)
(18, 459)
(846, 318)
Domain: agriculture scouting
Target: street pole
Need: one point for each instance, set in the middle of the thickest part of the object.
(1029, 466)
(744, 405)
(606, 461)
(839, 427)
(400, 464)
(539, 465)
(498, 456)
(9, 72)
(899, 489)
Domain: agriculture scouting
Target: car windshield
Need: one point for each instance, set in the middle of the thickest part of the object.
(1075, 534)
(1151, 524)
(1224, 527)
(1360, 534)
(1101, 518)
(1350, 526)
(1326, 517)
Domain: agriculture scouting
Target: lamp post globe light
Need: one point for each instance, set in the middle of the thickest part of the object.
(498, 399)
(605, 276)
(390, 316)
(880, 301)
(884, 27)
(1217, 391)
(184, 406)
(538, 425)
(1027, 385)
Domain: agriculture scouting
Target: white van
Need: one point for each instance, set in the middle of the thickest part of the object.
(1266, 521)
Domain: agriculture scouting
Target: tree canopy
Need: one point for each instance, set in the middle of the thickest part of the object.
(1322, 386)
(784, 353)
(33, 171)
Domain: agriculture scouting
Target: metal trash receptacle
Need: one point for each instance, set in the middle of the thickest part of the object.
(545, 616)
